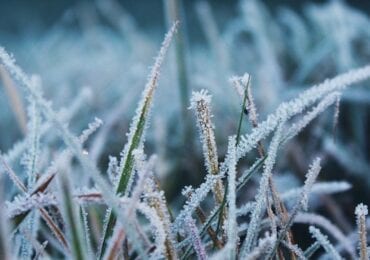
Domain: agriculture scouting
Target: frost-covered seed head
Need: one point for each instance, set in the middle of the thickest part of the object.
(200, 103)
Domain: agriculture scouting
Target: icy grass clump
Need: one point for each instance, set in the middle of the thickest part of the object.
(218, 218)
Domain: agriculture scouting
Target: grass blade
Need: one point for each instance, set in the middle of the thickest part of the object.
(71, 217)
(136, 135)
(311, 249)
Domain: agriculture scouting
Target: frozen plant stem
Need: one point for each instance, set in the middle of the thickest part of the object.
(203, 219)
(361, 213)
(200, 103)
(232, 225)
(196, 240)
(159, 204)
(325, 243)
(302, 203)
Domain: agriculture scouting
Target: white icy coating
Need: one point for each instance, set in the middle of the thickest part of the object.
(200, 103)
(261, 195)
(319, 188)
(325, 243)
(195, 238)
(296, 106)
(361, 212)
(311, 176)
(92, 127)
(145, 103)
(232, 225)
(22, 204)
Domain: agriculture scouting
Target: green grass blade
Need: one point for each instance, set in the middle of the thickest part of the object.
(71, 217)
(136, 135)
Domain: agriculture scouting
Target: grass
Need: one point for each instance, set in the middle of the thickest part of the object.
(238, 210)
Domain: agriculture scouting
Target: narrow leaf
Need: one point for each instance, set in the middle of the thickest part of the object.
(71, 217)
(136, 133)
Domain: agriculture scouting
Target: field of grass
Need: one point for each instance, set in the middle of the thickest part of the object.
(252, 142)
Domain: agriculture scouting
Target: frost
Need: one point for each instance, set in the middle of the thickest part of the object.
(232, 209)
(295, 250)
(264, 245)
(200, 103)
(194, 234)
(64, 115)
(307, 118)
(319, 188)
(310, 179)
(113, 170)
(22, 204)
(245, 209)
(92, 127)
(296, 106)
(197, 197)
(323, 240)
(159, 233)
(361, 210)
(361, 213)
(187, 190)
(232, 233)
(261, 196)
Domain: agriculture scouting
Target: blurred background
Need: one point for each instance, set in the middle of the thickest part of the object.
(20, 17)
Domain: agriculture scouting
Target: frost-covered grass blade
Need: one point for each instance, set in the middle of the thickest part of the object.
(136, 134)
